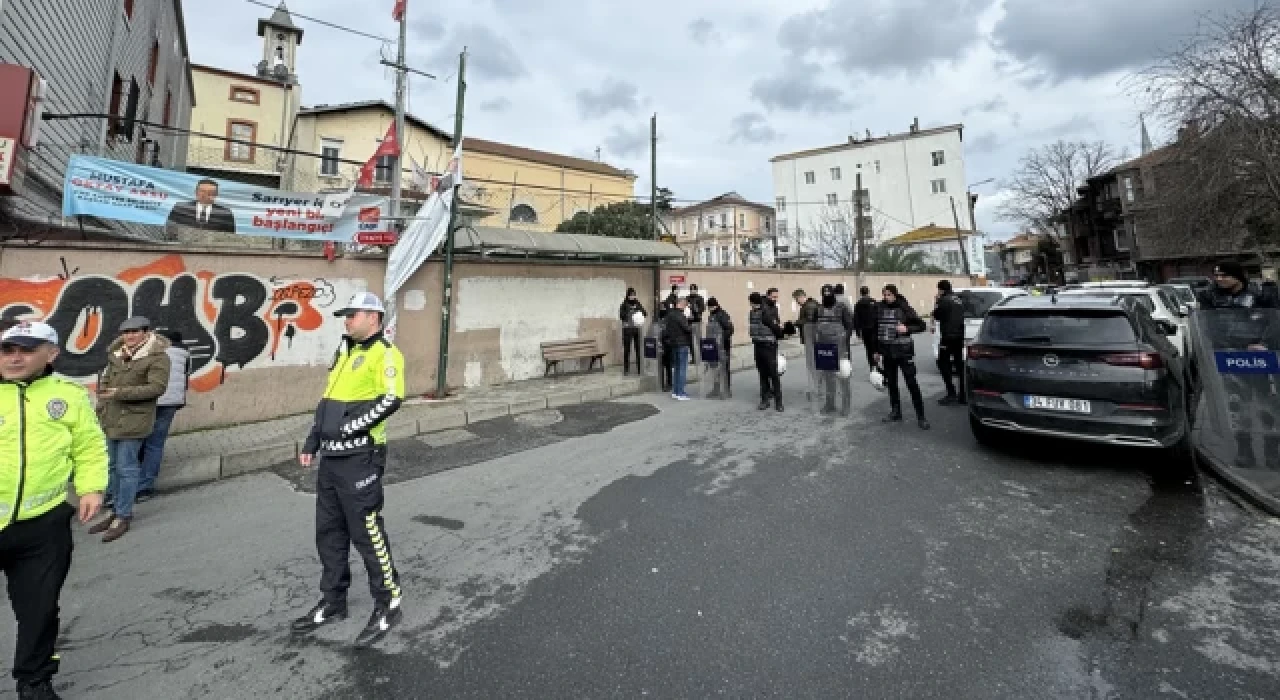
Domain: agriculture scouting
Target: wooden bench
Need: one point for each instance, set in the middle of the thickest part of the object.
(555, 352)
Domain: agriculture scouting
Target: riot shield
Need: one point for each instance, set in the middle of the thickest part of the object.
(833, 369)
(1236, 429)
(713, 379)
(813, 385)
(695, 352)
(652, 351)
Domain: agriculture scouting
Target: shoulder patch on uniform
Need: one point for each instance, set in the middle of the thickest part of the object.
(390, 372)
(57, 408)
(355, 364)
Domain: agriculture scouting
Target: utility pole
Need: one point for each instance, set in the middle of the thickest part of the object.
(402, 79)
(860, 237)
(446, 297)
(973, 221)
(653, 198)
(964, 257)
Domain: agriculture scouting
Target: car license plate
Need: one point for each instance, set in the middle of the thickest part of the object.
(1048, 403)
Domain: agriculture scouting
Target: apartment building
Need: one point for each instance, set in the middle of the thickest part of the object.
(724, 231)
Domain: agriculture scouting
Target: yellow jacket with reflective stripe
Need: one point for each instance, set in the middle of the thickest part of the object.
(49, 434)
(366, 386)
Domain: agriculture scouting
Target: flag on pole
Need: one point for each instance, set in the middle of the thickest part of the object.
(390, 146)
(398, 13)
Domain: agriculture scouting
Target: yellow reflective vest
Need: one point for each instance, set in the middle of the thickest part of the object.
(366, 386)
(49, 434)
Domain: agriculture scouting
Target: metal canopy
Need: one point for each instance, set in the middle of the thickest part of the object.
(488, 240)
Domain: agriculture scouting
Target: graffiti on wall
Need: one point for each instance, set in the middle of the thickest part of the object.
(228, 321)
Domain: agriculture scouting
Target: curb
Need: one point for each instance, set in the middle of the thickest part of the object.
(203, 470)
(1231, 477)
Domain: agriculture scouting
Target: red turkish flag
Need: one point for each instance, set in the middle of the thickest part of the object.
(390, 146)
(398, 13)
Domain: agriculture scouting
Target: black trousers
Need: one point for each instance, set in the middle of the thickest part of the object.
(951, 362)
(767, 366)
(630, 341)
(869, 346)
(907, 365)
(668, 362)
(349, 512)
(35, 556)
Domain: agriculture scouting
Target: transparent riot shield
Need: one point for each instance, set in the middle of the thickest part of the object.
(653, 352)
(1236, 407)
(695, 352)
(714, 373)
(833, 369)
(813, 381)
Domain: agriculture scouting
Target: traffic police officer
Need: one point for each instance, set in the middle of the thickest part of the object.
(349, 440)
(49, 435)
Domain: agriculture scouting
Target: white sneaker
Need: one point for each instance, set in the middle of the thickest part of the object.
(676, 397)
(682, 398)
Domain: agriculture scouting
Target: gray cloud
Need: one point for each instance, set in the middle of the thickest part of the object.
(489, 55)
(751, 127)
(613, 95)
(991, 106)
(796, 89)
(884, 36)
(427, 27)
(1076, 124)
(984, 143)
(1104, 36)
(703, 31)
(628, 143)
(497, 104)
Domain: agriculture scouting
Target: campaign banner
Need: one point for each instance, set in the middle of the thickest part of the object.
(113, 189)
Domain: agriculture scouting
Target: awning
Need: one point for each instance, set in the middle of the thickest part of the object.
(488, 240)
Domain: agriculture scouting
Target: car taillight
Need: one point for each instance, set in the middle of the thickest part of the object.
(1145, 360)
(985, 352)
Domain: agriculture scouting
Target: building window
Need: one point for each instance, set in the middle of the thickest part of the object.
(724, 256)
(153, 63)
(706, 256)
(117, 96)
(724, 220)
(128, 9)
(246, 95)
(782, 228)
(833, 200)
(939, 186)
(383, 168)
(523, 214)
(939, 158)
(742, 221)
(835, 173)
(1128, 188)
(810, 178)
(1122, 239)
(952, 260)
(864, 195)
(766, 225)
(877, 167)
(330, 154)
(168, 107)
(241, 131)
(781, 203)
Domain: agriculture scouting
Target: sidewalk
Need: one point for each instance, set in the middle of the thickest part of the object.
(208, 455)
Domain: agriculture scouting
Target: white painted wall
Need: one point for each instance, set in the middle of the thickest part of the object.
(936, 254)
(900, 189)
(531, 311)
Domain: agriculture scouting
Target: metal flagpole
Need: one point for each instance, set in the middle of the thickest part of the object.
(402, 77)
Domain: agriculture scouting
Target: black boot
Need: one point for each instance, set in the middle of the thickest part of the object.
(322, 614)
(777, 403)
(895, 416)
(764, 403)
(923, 423)
(384, 617)
(42, 690)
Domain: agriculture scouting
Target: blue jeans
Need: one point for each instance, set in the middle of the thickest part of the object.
(123, 474)
(153, 447)
(680, 371)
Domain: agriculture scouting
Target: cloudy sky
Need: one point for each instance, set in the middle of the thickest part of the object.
(735, 82)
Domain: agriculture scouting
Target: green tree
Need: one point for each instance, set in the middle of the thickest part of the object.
(896, 258)
(617, 220)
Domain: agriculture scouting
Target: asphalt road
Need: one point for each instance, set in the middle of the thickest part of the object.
(648, 548)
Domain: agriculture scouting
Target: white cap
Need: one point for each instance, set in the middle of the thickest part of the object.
(362, 301)
(30, 334)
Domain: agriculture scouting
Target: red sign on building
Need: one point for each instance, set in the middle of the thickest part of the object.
(377, 238)
(20, 91)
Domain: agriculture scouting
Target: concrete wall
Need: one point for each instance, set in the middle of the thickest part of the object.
(260, 328)
(732, 287)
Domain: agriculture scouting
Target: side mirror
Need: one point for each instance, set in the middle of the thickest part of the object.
(1167, 328)
(1184, 310)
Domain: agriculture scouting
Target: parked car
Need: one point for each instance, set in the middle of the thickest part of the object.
(1160, 303)
(1091, 368)
(1197, 284)
(1184, 294)
(977, 302)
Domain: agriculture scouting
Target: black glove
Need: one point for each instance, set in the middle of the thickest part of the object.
(789, 328)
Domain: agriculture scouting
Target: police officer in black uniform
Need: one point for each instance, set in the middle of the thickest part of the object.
(765, 331)
(948, 314)
(895, 350)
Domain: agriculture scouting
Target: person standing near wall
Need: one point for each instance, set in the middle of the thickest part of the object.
(864, 324)
(895, 348)
(631, 329)
(349, 441)
(721, 319)
(948, 315)
(765, 332)
(49, 435)
(167, 406)
(680, 339)
(137, 375)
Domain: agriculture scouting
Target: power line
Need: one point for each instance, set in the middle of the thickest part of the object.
(331, 25)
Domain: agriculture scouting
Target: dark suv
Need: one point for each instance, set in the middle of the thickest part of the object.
(1089, 368)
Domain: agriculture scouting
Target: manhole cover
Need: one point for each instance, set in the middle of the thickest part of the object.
(540, 419)
(447, 437)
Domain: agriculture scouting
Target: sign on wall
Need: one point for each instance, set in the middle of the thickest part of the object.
(112, 189)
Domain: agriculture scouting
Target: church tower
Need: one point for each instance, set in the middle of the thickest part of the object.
(280, 41)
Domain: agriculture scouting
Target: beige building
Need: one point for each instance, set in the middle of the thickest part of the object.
(527, 188)
(725, 231)
(255, 109)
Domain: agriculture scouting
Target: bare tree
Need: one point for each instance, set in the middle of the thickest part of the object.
(1217, 189)
(1044, 185)
(833, 239)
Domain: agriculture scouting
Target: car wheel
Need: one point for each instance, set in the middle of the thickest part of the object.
(986, 436)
